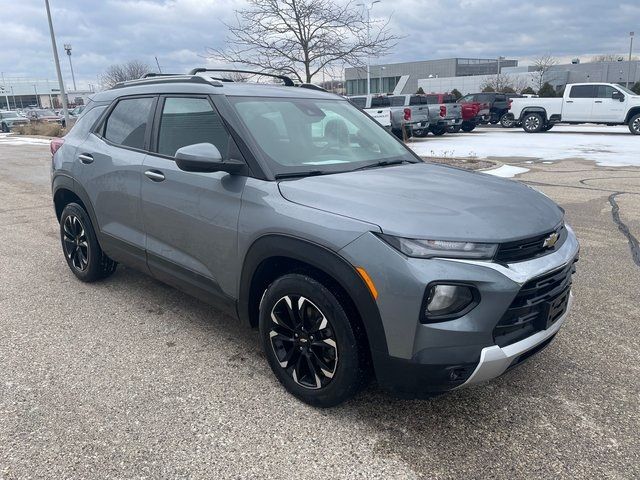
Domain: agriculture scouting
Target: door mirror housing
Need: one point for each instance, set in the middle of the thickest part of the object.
(206, 158)
(617, 95)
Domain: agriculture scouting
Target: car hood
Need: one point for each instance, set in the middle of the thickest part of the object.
(430, 201)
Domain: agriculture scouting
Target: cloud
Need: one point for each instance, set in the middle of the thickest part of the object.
(179, 31)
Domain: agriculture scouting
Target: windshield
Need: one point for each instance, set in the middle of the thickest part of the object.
(9, 115)
(625, 90)
(305, 135)
(46, 113)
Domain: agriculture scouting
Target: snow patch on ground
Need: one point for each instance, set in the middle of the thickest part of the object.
(506, 171)
(13, 139)
(610, 146)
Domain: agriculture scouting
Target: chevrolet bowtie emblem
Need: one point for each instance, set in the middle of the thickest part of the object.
(550, 241)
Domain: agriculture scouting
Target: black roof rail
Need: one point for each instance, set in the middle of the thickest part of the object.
(166, 78)
(287, 81)
(312, 86)
(153, 74)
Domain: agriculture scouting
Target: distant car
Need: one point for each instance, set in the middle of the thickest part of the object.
(10, 120)
(44, 115)
(76, 111)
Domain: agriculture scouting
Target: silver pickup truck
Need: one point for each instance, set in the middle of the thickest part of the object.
(395, 112)
(443, 115)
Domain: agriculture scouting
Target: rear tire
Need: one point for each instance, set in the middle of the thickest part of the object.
(468, 126)
(532, 123)
(634, 124)
(80, 246)
(506, 121)
(312, 347)
(421, 132)
(438, 131)
(4, 128)
(454, 129)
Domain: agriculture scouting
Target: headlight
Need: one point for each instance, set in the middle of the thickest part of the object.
(441, 248)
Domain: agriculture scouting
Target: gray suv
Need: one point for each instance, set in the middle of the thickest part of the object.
(294, 211)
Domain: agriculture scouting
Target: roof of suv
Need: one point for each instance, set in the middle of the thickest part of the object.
(195, 84)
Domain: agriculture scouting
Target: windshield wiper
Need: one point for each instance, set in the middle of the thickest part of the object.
(308, 173)
(381, 163)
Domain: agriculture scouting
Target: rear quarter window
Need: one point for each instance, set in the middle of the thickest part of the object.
(127, 122)
(380, 102)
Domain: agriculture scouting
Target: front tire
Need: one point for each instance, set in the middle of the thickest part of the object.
(310, 344)
(4, 128)
(634, 124)
(454, 129)
(421, 132)
(438, 131)
(533, 123)
(80, 246)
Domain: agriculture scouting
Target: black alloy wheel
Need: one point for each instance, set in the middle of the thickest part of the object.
(75, 243)
(312, 343)
(303, 341)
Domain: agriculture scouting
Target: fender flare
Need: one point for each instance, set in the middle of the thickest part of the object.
(633, 111)
(64, 181)
(323, 259)
(527, 110)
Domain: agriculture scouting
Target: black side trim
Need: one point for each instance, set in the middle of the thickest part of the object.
(190, 282)
(323, 259)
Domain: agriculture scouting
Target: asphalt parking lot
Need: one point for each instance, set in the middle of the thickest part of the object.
(129, 378)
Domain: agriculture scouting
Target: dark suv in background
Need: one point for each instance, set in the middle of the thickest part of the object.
(294, 211)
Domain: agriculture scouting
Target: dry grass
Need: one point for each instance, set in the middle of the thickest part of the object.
(43, 129)
(466, 163)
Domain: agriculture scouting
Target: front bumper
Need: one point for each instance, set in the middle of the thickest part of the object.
(495, 360)
(426, 359)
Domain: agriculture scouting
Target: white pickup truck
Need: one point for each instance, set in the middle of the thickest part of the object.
(603, 103)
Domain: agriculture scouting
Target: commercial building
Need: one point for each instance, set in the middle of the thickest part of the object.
(403, 77)
(471, 75)
(20, 92)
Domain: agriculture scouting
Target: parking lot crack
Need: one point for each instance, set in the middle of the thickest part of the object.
(633, 241)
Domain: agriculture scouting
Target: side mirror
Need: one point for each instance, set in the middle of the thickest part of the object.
(205, 157)
(617, 95)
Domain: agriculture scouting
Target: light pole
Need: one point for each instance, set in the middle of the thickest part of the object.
(368, 9)
(631, 34)
(6, 96)
(37, 98)
(67, 48)
(65, 109)
(380, 79)
(498, 74)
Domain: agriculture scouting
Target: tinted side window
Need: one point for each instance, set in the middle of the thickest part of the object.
(127, 122)
(431, 99)
(448, 99)
(582, 91)
(86, 121)
(360, 102)
(187, 121)
(378, 102)
(604, 91)
(397, 101)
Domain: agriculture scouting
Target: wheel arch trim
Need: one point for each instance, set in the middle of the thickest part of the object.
(319, 257)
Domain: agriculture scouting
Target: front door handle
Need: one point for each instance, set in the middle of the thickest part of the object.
(569, 101)
(598, 101)
(155, 175)
(85, 158)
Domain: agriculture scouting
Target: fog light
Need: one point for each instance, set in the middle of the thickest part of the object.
(449, 301)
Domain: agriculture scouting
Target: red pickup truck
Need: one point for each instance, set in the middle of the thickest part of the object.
(473, 113)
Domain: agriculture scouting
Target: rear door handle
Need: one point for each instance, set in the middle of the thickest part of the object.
(598, 101)
(569, 101)
(155, 175)
(85, 158)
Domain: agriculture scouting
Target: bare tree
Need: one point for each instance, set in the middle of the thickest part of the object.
(498, 83)
(122, 72)
(302, 37)
(542, 65)
(610, 57)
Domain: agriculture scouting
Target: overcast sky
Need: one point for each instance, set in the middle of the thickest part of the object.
(103, 32)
